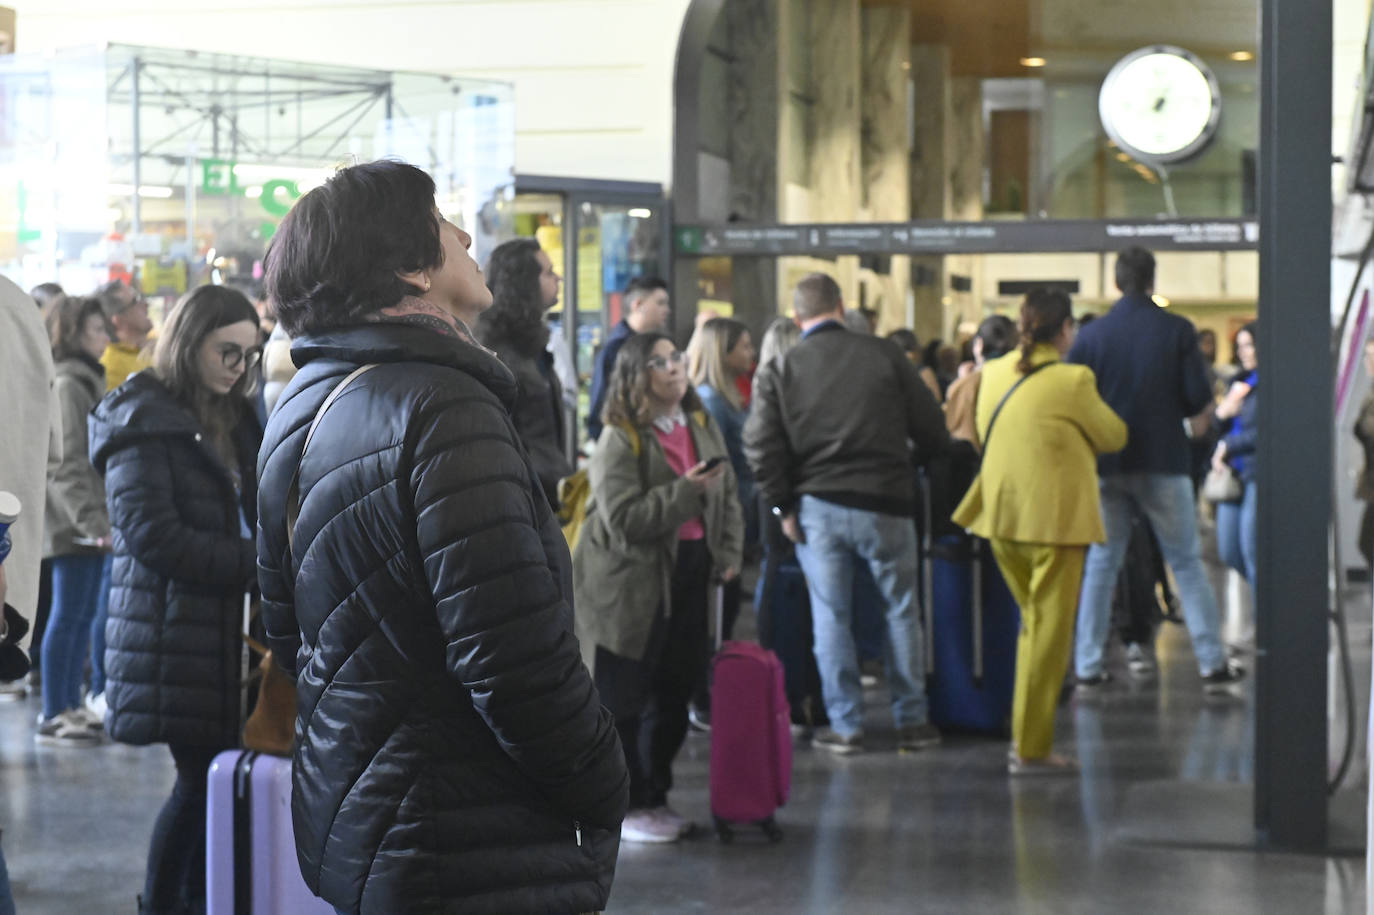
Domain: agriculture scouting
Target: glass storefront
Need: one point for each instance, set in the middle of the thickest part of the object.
(170, 168)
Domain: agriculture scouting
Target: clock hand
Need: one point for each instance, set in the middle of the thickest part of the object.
(1159, 104)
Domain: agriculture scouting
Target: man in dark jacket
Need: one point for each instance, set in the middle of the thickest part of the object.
(646, 311)
(829, 439)
(453, 754)
(1149, 370)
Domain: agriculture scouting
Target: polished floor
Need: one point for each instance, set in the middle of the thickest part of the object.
(1156, 823)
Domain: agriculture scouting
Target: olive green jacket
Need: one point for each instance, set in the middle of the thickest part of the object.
(624, 561)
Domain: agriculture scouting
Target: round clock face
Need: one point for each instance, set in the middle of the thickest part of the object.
(1160, 104)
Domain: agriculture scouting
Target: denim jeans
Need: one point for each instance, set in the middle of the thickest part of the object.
(835, 536)
(6, 893)
(102, 614)
(1236, 533)
(1167, 501)
(175, 880)
(75, 592)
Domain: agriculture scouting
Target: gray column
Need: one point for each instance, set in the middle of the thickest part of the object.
(1294, 458)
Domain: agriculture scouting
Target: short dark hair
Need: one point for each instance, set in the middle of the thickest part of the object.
(66, 319)
(641, 286)
(906, 341)
(516, 314)
(46, 293)
(998, 334)
(255, 290)
(335, 256)
(1135, 270)
(816, 295)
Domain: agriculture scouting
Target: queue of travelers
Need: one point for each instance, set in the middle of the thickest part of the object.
(458, 666)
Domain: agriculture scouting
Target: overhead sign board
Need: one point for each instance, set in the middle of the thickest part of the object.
(993, 237)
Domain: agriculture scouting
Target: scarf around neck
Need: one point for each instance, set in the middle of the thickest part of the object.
(416, 312)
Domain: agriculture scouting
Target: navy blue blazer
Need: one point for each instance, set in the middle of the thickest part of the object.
(1149, 370)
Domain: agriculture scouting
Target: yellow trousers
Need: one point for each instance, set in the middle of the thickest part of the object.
(1044, 578)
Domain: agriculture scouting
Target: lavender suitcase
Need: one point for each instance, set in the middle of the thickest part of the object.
(751, 738)
(250, 851)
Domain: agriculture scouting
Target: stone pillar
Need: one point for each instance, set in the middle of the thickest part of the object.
(885, 146)
(965, 144)
(930, 186)
(753, 110)
(836, 160)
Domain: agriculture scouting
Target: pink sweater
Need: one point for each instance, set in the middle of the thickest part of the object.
(682, 457)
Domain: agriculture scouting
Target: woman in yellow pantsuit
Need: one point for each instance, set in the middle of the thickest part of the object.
(1036, 500)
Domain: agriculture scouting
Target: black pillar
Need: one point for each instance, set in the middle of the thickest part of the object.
(1295, 416)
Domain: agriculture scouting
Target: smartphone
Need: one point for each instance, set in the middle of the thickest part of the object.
(714, 462)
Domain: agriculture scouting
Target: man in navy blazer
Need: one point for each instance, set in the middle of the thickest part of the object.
(1150, 371)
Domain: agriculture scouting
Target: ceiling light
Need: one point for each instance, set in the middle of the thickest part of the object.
(640, 213)
(145, 190)
(1160, 301)
(1242, 56)
(1122, 157)
(1032, 61)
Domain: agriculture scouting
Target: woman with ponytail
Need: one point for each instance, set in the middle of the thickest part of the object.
(1036, 500)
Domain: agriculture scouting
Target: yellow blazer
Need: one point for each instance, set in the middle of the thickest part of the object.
(1039, 485)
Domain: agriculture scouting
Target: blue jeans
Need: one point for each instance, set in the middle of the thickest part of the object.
(75, 592)
(102, 613)
(6, 894)
(1167, 501)
(1236, 533)
(835, 536)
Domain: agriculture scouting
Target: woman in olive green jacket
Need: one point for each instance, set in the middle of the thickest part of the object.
(663, 521)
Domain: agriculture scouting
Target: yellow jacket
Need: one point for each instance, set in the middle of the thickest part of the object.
(1039, 485)
(121, 360)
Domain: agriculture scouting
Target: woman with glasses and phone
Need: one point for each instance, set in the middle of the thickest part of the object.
(178, 445)
(663, 520)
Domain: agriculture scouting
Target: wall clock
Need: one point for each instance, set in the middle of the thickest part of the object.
(1160, 104)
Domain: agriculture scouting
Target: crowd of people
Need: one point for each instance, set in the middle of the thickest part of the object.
(483, 713)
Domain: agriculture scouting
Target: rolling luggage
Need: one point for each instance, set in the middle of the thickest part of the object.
(783, 608)
(250, 851)
(975, 624)
(751, 737)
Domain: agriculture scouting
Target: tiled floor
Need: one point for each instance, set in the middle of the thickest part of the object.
(1151, 826)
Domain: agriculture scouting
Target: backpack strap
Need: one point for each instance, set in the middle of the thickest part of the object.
(293, 492)
(987, 436)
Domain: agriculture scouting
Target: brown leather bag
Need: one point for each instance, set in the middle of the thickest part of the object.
(271, 728)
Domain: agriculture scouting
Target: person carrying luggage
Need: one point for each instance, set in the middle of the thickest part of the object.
(1035, 498)
(177, 445)
(663, 519)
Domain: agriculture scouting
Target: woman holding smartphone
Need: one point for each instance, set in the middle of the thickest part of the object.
(663, 520)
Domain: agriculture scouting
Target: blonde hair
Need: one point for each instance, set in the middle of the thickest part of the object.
(706, 354)
(782, 334)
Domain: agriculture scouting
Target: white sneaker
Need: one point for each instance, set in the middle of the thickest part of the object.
(1139, 661)
(14, 690)
(96, 705)
(66, 730)
(89, 718)
(645, 825)
(674, 820)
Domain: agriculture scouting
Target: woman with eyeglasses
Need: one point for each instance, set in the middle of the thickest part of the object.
(663, 520)
(178, 445)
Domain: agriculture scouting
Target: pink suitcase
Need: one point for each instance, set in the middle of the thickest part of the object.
(250, 851)
(751, 739)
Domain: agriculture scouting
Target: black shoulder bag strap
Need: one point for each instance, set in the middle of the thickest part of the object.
(987, 436)
(293, 492)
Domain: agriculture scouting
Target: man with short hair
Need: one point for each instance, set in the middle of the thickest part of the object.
(829, 440)
(646, 311)
(126, 320)
(1149, 370)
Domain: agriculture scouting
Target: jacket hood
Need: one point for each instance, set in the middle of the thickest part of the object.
(385, 342)
(86, 370)
(139, 409)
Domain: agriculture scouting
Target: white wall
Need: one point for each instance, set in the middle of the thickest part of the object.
(593, 78)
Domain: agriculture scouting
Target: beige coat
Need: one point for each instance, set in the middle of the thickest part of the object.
(76, 493)
(28, 419)
(624, 561)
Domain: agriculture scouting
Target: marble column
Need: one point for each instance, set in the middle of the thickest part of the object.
(836, 158)
(885, 146)
(754, 106)
(965, 144)
(930, 185)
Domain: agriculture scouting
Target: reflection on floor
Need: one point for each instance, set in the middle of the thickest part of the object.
(939, 831)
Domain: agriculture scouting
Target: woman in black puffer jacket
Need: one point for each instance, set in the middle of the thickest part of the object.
(176, 444)
(452, 753)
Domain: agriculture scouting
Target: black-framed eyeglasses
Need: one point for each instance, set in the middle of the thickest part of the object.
(661, 363)
(233, 356)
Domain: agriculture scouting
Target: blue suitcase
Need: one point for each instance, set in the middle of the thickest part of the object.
(973, 628)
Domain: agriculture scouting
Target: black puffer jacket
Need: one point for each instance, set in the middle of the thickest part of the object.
(537, 412)
(453, 755)
(181, 567)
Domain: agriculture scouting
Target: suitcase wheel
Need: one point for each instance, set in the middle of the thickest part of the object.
(771, 830)
(723, 831)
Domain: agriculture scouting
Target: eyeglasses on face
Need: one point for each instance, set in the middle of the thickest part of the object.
(234, 356)
(661, 363)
